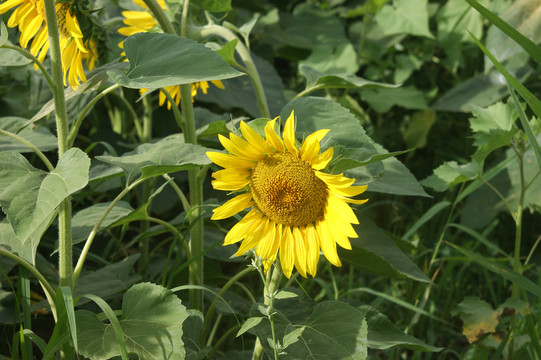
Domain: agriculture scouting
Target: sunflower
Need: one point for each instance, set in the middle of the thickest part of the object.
(29, 16)
(295, 208)
(143, 21)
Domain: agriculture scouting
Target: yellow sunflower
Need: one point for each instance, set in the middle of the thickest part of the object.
(29, 16)
(296, 208)
(143, 21)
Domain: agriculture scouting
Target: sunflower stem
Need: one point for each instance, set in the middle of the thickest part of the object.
(160, 16)
(244, 53)
(271, 287)
(65, 265)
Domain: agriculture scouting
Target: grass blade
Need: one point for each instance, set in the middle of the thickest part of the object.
(480, 238)
(66, 301)
(426, 217)
(119, 334)
(529, 46)
(501, 270)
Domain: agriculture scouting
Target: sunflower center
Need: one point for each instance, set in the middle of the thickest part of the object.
(61, 13)
(287, 191)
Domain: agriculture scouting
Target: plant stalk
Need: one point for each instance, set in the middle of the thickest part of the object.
(65, 265)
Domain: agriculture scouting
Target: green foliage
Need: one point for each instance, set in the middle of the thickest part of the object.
(151, 324)
(112, 192)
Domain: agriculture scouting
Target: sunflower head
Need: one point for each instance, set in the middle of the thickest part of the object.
(296, 209)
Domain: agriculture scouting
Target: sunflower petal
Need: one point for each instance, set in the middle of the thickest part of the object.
(312, 249)
(272, 137)
(287, 252)
(254, 138)
(300, 251)
(229, 161)
(310, 146)
(289, 134)
(242, 228)
(328, 244)
(322, 160)
(232, 207)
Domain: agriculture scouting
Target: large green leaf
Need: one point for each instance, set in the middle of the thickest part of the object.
(405, 17)
(478, 317)
(480, 90)
(317, 80)
(382, 334)
(333, 60)
(168, 155)
(151, 322)
(25, 248)
(376, 253)
(108, 280)
(30, 196)
(334, 330)
(396, 179)
(39, 136)
(169, 60)
(84, 221)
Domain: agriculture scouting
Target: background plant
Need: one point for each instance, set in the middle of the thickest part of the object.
(445, 268)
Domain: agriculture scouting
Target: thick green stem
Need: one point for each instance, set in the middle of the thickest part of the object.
(244, 53)
(196, 268)
(160, 16)
(270, 289)
(65, 265)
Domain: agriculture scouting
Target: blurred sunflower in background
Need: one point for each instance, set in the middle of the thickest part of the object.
(143, 21)
(296, 208)
(29, 17)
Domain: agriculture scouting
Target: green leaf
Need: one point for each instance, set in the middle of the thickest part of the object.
(405, 17)
(38, 136)
(108, 280)
(314, 113)
(227, 52)
(3, 33)
(481, 90)
(282, 294)
(376, 253)
(501, 270)
(84, 221)
(478, 318)
(334, 330)
(190, 336)
(248, 324)
(151, 322)
(382, 99)
(168, 155)
(351, 158)
(10, 57)
(29, 196)
(213, 5)
(396, 179)
(292, 337)
(450, 174)
(64, 304)
(329, 59)
(382, 334)
(524, 42)
(418, 128)
(493, 128)
(309, 27)
(25, 248)
(169, 60)
(316, 80)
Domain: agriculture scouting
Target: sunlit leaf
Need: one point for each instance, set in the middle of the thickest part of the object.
(478, 318)
(167, 155)
(405, 16)
(29, 196)
(334, 330)
(382, 334)
(450, 174)
(169, 60)
(151, 322)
